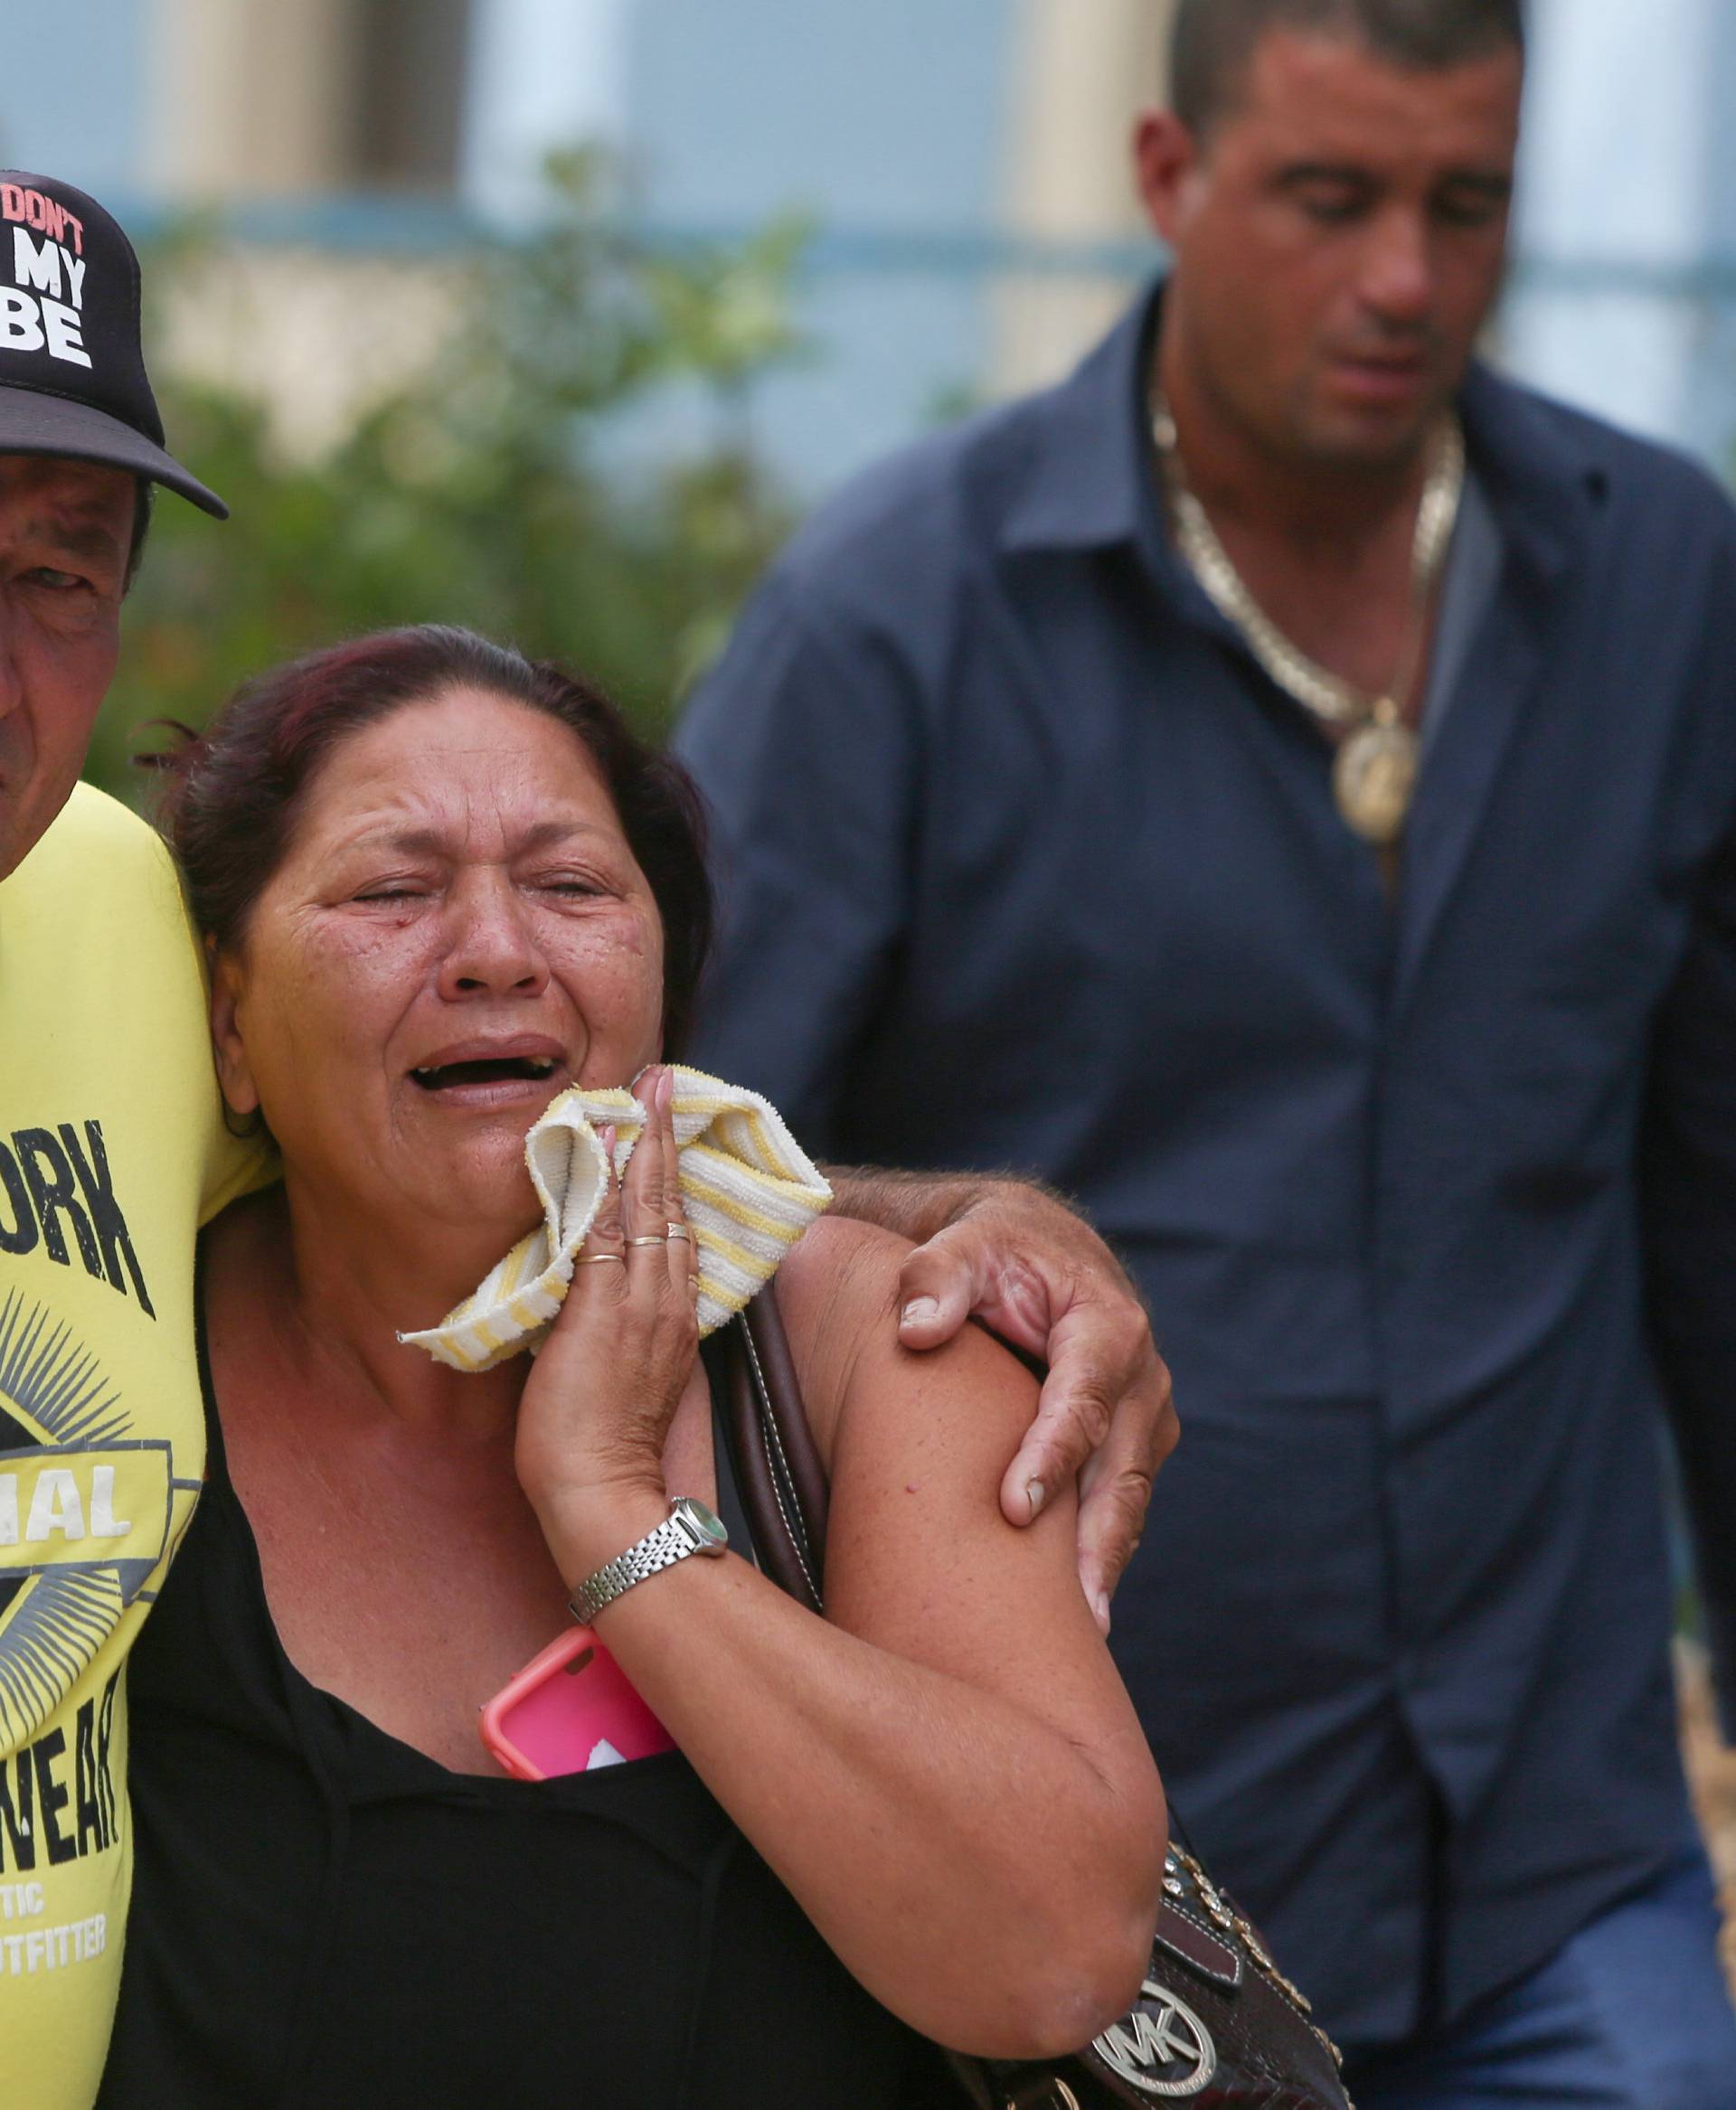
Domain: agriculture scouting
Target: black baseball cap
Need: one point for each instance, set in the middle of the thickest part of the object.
(72, 378)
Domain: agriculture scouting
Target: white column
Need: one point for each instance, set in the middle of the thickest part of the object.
(256, 99)
(250, 98)
(1082, 69)
(1623, 112)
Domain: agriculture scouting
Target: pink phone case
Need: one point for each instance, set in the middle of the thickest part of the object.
(569, 1710)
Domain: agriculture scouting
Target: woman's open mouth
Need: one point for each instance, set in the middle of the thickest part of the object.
(485, 1070)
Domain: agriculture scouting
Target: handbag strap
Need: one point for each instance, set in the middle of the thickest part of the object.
(777, 1467)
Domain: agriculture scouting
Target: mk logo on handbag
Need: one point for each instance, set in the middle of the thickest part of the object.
(1162, 2048)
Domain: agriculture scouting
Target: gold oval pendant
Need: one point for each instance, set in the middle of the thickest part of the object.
(1372, 779)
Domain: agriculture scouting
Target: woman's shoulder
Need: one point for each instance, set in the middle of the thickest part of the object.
(839, 1264)
(837, 1296)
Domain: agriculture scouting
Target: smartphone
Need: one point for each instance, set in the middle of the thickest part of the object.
(571, 1709)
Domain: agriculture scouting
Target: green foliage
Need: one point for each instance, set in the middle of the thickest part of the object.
(474, 493)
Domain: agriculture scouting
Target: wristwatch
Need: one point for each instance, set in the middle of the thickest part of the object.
(689, 1528)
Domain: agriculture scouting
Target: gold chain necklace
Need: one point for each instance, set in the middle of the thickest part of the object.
(1374, 773)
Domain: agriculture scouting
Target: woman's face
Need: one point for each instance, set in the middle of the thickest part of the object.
(458, 930)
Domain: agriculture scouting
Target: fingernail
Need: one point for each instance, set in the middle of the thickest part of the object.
(1101, 1611)
(920, 1311)
(1035, 1495)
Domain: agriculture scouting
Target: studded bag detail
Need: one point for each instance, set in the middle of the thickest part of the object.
(1217, 2025)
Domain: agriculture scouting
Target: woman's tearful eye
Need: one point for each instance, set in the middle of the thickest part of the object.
(391, 890)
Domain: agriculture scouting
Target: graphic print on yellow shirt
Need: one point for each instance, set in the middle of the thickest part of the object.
(85, 1514)
(112, 1151)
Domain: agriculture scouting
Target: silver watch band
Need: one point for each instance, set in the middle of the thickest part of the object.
(689, 1528)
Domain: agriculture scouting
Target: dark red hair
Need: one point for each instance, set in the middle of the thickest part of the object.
(235, 792)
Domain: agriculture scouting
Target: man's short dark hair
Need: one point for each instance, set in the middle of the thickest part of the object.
(1212, 41)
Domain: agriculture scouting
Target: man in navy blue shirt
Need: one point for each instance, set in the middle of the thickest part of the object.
(1280, 786)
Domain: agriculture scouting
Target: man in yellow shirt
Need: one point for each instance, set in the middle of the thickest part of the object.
(113, 1151)
(111, 1141)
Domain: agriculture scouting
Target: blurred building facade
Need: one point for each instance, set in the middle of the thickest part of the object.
(963, 162)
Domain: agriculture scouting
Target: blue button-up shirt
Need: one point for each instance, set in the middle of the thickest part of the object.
(1027, 864)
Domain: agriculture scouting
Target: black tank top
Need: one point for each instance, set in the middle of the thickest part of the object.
(323, 1919)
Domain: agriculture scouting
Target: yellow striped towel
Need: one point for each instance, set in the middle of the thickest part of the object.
(748, 1189)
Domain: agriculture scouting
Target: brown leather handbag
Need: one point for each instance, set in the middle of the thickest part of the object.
(1217, 2024)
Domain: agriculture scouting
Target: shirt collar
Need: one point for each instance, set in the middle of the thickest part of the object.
(1542, 473)
(1089, 484)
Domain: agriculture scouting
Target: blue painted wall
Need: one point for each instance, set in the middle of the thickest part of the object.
(72, 92)
(888, 115)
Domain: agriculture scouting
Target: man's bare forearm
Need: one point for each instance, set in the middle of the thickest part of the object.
(919, 1205)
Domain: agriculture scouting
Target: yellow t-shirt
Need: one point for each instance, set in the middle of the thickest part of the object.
(112, 1151)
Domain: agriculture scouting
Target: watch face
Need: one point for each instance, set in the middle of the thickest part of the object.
(707, 1528)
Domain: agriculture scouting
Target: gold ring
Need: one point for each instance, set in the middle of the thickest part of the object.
(679, 1230)
(655, 1238)
(596, 1260)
